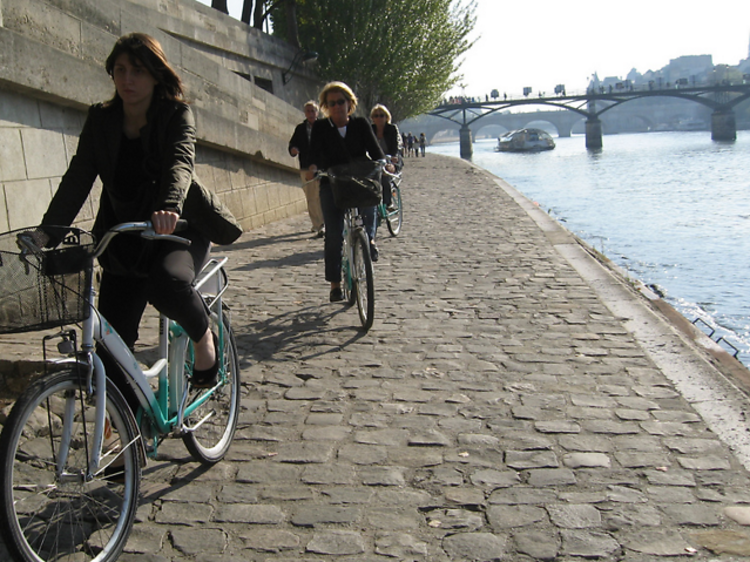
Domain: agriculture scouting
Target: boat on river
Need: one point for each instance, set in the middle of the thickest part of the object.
(525, 140)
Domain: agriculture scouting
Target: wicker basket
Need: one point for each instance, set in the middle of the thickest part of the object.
(44, 289)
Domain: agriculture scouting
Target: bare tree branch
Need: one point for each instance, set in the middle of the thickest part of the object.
(220, 5)
(247, 11)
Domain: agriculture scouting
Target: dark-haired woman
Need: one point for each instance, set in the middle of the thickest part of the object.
(141, 144)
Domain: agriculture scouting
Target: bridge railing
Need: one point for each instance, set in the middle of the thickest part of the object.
(624, 87)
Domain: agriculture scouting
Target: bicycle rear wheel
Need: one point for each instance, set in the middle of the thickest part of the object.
(363, 279)
(53, 507)
(395, 218)
(213, 423)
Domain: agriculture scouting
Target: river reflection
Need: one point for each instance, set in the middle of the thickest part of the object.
(672, 208)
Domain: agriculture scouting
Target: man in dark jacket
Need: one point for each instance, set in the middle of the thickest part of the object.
(299, 145)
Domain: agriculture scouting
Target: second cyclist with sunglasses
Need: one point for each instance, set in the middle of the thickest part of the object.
(338, 139)
(389, 139)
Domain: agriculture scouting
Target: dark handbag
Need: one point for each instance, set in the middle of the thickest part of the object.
(208, 215)
(356, 184)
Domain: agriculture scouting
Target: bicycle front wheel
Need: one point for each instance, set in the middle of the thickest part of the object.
(55, 506)
(395, 218)
(211, 426)
(348, 288)
(363, 279)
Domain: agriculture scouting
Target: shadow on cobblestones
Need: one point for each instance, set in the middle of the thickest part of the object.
(307, 333)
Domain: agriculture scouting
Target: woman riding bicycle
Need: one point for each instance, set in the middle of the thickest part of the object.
(141, 144)
(389, 140)
(339, 139)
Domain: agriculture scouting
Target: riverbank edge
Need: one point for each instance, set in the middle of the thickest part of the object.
(715, 383)
(709, 350)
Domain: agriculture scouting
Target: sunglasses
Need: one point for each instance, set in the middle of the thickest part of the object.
(334, 103)
(378, 116)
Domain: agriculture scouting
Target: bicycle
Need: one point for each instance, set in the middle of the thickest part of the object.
(357, 278)
(72, 449)
(393, 215)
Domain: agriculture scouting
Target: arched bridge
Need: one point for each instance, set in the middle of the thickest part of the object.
(562, 121)
(720, 99)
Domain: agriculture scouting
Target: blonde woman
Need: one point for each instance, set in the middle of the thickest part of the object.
(339, 138)
(389, 140)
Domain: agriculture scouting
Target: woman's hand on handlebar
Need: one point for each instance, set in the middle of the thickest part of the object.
(164, 222)
(311, 171)
(392, 164)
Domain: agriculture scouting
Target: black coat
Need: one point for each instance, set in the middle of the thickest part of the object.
(392, 138)
(300, 141)
(168, 142)
(328, 148)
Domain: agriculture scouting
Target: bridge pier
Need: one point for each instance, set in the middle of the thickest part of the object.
(465, 142)
(594, 133)
(723, 126)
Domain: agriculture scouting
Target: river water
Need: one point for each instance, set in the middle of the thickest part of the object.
(670, 208)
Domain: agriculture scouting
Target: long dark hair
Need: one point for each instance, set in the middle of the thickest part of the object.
(145, 50)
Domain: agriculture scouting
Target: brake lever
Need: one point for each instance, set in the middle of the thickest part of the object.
(28, 246)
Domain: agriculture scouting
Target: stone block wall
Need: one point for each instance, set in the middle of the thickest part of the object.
(52, 56)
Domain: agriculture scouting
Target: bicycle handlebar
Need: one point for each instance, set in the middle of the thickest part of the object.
(147, 231)
(383, 163)
(32, 242)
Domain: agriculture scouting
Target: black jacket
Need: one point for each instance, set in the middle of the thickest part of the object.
(168, 141)
(392, 138)
(300, 141)
(328, 148)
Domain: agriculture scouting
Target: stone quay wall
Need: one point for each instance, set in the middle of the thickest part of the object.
(52, 55)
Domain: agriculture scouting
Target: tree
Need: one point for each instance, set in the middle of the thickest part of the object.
(220, 5)
(403, 54)
(259, 10)
(247, 11)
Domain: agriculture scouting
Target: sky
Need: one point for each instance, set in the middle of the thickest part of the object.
(542, 43)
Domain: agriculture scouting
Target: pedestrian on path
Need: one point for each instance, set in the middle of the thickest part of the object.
(299, 145)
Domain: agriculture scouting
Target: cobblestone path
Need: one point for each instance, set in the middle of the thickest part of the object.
(497, 410)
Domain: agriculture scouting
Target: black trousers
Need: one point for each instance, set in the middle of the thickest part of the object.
(385, 181)
(167, 286)
(334, 240)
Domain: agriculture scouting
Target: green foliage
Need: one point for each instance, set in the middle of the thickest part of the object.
(401, 53)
